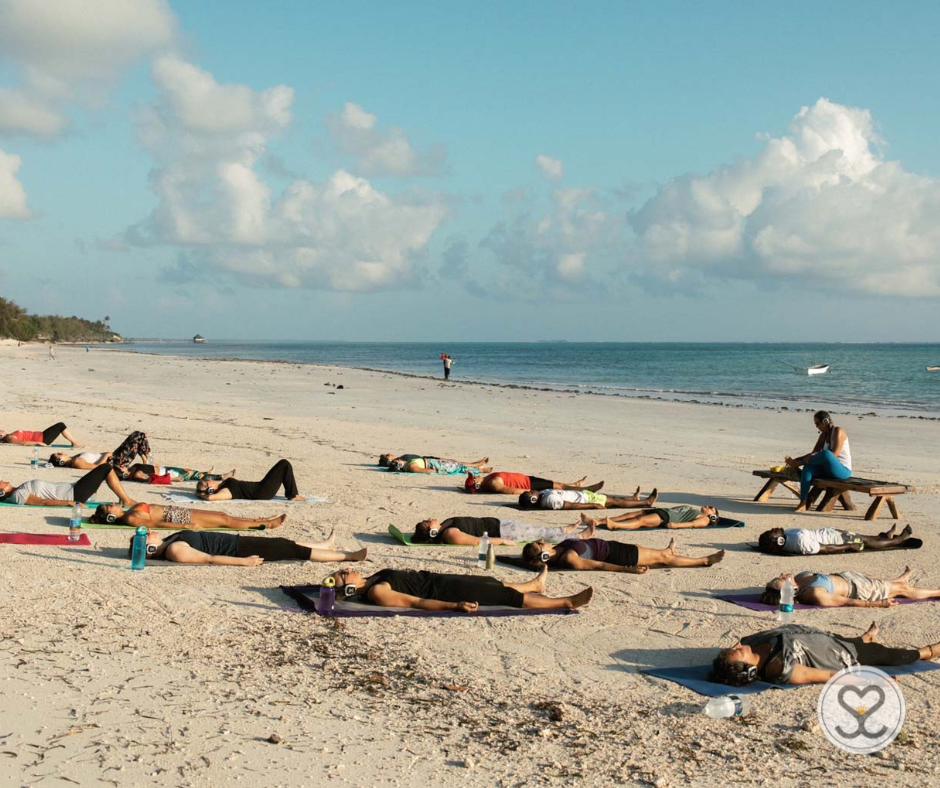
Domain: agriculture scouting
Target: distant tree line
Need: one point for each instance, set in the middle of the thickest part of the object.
(17, 323)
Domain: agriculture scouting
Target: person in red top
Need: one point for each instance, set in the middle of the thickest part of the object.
(506, 483)
(36, 438)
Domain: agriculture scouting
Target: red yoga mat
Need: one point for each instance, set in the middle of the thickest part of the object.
(53, 539)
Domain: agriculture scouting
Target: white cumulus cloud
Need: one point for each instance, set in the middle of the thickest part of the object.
(208, 141)
(818, 204)
(12, 194)
(551, 168)
(375, 152)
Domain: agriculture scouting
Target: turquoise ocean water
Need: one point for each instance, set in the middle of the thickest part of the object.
(883, 378)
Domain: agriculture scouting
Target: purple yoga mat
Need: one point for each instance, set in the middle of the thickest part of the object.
(752, 602)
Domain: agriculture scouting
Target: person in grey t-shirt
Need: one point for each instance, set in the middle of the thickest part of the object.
(40, 492)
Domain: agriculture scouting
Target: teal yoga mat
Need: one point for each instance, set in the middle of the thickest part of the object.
(88, 504)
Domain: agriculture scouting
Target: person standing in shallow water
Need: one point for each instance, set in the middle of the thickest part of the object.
(448, 362)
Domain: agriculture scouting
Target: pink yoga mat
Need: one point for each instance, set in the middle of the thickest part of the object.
(53, 539)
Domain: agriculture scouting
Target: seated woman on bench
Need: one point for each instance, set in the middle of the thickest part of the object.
(44, 438)
(469, 530)
(828, 541)
(583, 499)
(848, 589)
(40, 492)
(206, 547)
(604, 555)
(436, 591)
(151, 515)
(799, 654)
(831, 457)
(672, 517)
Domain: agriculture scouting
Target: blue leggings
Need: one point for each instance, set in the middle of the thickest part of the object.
(822, 465)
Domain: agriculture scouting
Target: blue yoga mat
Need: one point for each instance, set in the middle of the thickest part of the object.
(696, 678)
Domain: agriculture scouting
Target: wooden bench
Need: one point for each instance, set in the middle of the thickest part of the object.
(837, 491)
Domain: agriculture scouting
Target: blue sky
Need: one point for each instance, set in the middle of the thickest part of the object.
(597, 171)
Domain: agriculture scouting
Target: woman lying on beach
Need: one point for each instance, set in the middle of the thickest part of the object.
(672, 517)
(830, 458)
(435, 591)
(206, 547)
(151, 515)
(415, 463)
(280, 475)
(39, 492)
(604, 555)
(133, 444)
(799, 654)
(848, 589)
(44, 438)
(828, 541)
(468, 530)
(506, 483)
(145, 473)
(583, 499)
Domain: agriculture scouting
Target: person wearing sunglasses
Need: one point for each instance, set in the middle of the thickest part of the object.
(672, 517)
(605, 555)
(422, 590)
(152, 515)
(800, 654)
(220, 549)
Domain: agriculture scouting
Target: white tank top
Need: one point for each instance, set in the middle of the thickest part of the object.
(845, 453)
(90, 457)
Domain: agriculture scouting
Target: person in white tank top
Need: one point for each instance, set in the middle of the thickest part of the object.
(831, 457)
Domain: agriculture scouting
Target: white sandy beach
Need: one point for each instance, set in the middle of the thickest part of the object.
(179, 675)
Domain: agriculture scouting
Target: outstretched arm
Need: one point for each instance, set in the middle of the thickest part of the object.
(182, 553)
(833, 549)
(804, 675)
(382, 594)
(575, 561)
(701, 521)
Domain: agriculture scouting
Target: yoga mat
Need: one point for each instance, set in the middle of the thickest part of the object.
(695, 678)
(169, 527)
(752, 602)
(43, 539)
(913, 543)
(49, 446)
(191, 497)
(87, 504)
(306, 597)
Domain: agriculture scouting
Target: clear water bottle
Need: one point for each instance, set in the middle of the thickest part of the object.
(484, 546)
(785, 613)
(139, 548)
(326, 600)
(34, 461)
(75, 522)
(728, 706)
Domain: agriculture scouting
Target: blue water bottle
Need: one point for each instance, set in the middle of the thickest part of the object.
(139, 549)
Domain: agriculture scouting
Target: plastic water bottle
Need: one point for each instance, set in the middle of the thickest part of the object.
(75, 522)
(490, 556)
(484, 546)
(326, 600)
(785, 614)
(139, 549)
(34, 462)
(728, 706)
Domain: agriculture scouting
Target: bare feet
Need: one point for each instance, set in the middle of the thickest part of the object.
(872, 633)
(907, 532)
(933, 651)
(330, 541)
(802, 508)
(889, 534)
(714, 558)
(275, 522)
(906, 575)
(588, 533)
(539, 582)
(229, 475)
(652, 498)
(358, 555)
(579, 482)
(298, 498)
(636, 495)
(582, 598)
(671, 547)
(586, 519)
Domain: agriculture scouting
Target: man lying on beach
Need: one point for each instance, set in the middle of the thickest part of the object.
(828, 541)
(151, 515)
(280, 475)
(672, 517)
(507, 483)
(799, 654)
(44, 438)
(206, 547)
(40, 492)
(605, 555)
(416, 463)
(435, 591)
(847, 589)
(468, 530)
(583, 499)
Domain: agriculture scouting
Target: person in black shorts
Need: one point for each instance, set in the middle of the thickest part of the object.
(281, 475)
(512, 483)
(605, 555)
(208, 547)
(436, 591)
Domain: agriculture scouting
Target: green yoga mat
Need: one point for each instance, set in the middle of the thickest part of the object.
(174, 527)
(89, 504)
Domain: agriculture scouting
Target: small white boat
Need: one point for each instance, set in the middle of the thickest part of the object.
(817, 369)
(933, 369)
